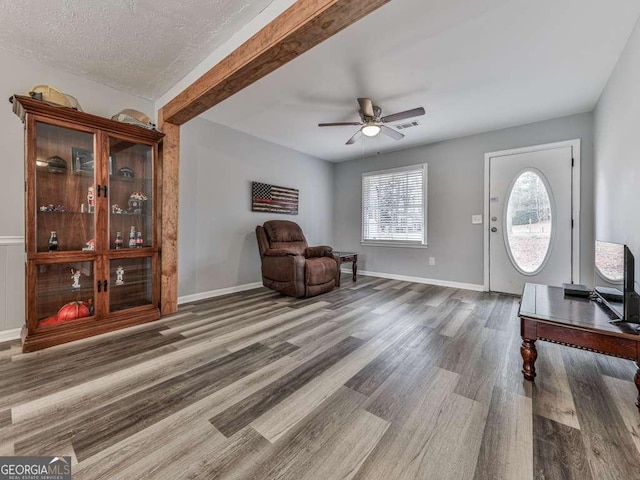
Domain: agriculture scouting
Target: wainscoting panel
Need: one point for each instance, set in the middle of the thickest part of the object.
(11, 283)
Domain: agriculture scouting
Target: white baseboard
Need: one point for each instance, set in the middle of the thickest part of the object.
(6, 335)
(217, 293)
(428, 281)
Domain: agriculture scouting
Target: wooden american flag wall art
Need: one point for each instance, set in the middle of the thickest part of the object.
(273, 199)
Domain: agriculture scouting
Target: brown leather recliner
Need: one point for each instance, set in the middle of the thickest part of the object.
(290, 266)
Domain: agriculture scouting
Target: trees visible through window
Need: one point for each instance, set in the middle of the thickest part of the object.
(529, 222)
(394, 206)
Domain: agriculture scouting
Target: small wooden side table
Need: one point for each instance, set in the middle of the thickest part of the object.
(546, 314)
(346, 257)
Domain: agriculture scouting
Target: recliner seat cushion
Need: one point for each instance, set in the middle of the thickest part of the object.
(320, 270)
(297, 247)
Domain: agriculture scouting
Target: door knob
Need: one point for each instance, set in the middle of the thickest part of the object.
(494, 229)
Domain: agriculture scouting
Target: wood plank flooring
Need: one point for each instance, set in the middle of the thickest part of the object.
(376, 380)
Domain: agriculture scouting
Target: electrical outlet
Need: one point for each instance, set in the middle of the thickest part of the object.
(432, 261)
(476, 219)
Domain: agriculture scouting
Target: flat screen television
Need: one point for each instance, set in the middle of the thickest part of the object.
(615, 282)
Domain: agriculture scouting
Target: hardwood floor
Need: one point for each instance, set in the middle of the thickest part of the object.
(376, 380)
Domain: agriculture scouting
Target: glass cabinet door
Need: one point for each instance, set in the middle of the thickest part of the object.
(64, 292)
(65, 189)
(130, 283)
(130, 195)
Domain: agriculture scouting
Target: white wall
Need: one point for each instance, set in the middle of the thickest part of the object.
(455, 192)
(217, 244)
(617, 153)
(19, 75)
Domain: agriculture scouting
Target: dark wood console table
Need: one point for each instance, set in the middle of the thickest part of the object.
(346, 257)
(546, 314)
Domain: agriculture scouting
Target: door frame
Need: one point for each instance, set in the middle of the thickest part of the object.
(575, 201)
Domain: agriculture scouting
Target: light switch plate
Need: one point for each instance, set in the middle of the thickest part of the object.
(476, 219)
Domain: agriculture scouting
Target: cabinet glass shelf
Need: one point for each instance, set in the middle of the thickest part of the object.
(43, 212)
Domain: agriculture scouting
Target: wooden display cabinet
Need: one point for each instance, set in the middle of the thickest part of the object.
(91, 224)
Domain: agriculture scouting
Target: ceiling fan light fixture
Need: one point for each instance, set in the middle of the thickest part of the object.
(371, 130)
(373, 123)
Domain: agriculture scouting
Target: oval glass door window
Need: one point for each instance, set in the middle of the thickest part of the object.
(528, 222)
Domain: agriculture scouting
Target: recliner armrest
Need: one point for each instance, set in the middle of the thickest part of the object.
(279, 252)
(320, 251)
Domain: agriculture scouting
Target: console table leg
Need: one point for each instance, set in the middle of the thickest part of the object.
(354, 269)
(637, 380)
(529, 355)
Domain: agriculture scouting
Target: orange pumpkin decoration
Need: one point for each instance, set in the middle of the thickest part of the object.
(70, 311)
(73, 310)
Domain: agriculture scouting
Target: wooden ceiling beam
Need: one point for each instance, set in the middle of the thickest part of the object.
(299, 28)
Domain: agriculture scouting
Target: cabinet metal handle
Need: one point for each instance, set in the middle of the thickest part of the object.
(105, 191)
(99, 286)
(98, 189)
(106, 285)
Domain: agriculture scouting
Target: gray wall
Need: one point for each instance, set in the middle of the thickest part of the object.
(617, 153)
(455, 192)
(217, 244)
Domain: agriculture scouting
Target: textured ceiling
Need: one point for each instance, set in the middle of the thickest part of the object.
(139, 46)
(475, 65)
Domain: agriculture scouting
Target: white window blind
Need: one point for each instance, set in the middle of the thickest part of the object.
(394, 206)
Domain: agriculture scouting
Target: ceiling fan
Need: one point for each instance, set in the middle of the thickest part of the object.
(373, 122)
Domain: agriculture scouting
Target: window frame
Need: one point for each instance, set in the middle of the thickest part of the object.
(396, 243)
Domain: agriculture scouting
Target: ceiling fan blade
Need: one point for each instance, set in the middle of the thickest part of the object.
(366, 107)
(338, 124)
(355, 138)
(416, 112)
(391, 132)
